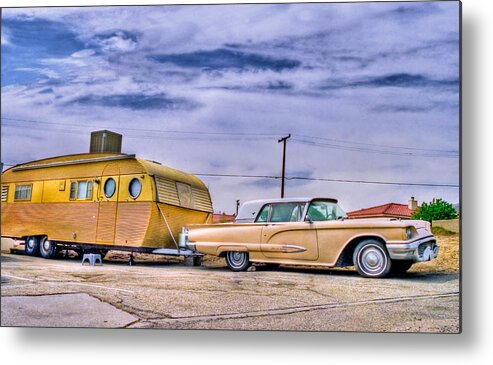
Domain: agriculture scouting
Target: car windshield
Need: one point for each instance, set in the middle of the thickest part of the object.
(325, 211)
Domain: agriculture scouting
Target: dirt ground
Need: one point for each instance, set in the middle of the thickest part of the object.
(163, 293)
(448, 258)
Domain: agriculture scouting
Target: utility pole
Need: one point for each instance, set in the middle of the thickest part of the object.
(283, 140)
(237, 206)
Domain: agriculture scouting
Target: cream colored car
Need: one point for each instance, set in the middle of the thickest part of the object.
(313, 232)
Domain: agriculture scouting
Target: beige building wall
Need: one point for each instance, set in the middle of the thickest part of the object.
(449, 224)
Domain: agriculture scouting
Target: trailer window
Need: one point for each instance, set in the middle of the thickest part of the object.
(5, 192)
(134, 188)
(82, 190)
(109, 187)
(23, 192)
(184, 194)
(73, 190)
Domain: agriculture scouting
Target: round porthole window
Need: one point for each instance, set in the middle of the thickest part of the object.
(134, 188)
(109, 187)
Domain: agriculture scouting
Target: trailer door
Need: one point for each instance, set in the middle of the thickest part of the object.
(108, 205)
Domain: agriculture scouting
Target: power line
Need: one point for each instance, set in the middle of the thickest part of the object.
(143, 129)
(301, 139)
(199, 137)
(362, 149)
(224, 137)
(330, 180)
(10, 164)
(375, 145)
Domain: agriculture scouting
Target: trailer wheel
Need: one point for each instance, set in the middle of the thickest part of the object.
(47, 248)
(31, 245)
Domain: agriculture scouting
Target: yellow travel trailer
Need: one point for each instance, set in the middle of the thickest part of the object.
(100, 201)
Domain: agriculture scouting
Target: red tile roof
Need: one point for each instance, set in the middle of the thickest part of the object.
(385, 210)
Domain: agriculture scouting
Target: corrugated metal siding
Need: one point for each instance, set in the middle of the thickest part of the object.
(132, 222)
(177, 217)
(57, 220)
(166, 191)
(106, 222)
(157, 233)
(5, 192)
(202, 200)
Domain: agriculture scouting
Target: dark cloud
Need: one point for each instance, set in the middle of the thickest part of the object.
(262, 183)
(47, 90)
(403, 80)
(407, 12)
(136, 101)
(279, 85)
(224, 59)
(409, 108)
(123, 34)
(114, 41)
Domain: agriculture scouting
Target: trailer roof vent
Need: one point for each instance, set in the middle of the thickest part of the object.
(105, 142)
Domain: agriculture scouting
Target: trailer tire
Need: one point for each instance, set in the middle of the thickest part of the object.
(47, 248)
(31, 245)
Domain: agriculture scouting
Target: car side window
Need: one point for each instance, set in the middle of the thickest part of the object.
(286, 212)
(264, 214)
(324, 211)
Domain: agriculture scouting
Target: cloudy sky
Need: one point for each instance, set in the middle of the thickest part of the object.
(368, 91)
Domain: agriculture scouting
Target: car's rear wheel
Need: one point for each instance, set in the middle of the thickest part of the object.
(31, 245)
(237, 261)
(47, 248)
(371, 259)
(399, 267)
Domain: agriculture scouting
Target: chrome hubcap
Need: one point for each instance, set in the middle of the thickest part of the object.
(372, 260)
(46, 245)
(30, 243)
(237, 259)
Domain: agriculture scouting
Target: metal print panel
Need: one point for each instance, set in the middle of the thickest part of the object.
(287, 167)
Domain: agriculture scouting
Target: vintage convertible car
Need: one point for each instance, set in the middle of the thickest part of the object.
(313, 232)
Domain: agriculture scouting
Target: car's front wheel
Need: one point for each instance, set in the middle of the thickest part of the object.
(237, 261)
(371, 259)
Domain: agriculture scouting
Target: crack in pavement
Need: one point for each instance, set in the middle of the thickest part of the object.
(50, 281)
(306, 308)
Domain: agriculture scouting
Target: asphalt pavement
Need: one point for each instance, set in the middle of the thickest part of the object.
(166, 294)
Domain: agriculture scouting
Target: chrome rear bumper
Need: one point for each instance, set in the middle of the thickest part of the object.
(425, 249)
